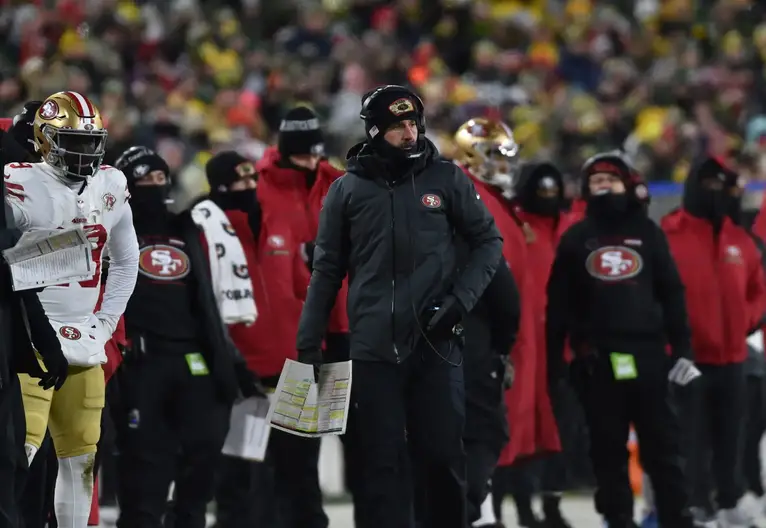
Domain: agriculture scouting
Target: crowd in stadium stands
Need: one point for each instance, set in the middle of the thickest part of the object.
(665, 79)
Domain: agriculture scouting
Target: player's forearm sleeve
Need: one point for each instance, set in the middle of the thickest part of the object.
(123, 269)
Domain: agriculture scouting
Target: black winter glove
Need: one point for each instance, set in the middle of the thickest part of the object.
(314, 358)
(444, 319)
(249, 382)
(45, 341)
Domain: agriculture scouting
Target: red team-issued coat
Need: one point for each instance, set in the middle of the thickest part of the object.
(724, 281)
(284, 195)
(279, 277)
(529, 435)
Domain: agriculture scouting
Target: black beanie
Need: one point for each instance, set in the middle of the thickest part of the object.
(388, 107)
(227, 167)
(137, 162)
(300, 133)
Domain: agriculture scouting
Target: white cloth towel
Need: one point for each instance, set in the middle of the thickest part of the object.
(228, 265)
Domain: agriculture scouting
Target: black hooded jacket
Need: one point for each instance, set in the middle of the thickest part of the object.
(704, 203)
(526, 185)
(394, 234)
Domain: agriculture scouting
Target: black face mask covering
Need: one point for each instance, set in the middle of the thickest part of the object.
(148, 205)
(550, 207)
(245, 201)
(609, 206)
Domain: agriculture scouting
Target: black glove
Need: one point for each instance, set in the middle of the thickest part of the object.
(444, 319)
(45, 341)
(249, 382)
(312, 357)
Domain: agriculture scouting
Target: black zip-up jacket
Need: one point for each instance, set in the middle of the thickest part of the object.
(614, 287)
(395, 237)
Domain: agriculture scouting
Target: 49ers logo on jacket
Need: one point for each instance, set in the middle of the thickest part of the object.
(161, 262)
(614, 263)
(70, 332)
(431, 201)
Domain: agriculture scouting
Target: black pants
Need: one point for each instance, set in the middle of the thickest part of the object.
(281, 492)
(481, 460)
(716, 415)
(756, 425)
(13, 464)
(37, 498)
(170, 426)
(421, 402)
(610, 407)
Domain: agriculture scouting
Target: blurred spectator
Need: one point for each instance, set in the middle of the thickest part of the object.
(668, 80)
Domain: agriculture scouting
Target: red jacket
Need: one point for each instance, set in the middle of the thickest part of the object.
(279, 277)
(284, 197)
(724, 281)
(527, 436)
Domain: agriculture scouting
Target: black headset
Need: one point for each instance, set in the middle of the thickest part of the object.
(367, 114)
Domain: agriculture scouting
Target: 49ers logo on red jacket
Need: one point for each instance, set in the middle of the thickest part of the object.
(70, 332)
(161, 262)
(614, 263)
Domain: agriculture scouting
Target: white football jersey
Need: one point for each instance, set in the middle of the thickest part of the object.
(40, 199)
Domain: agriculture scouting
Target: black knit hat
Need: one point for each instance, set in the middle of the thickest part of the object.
(300, 133)
(613, 162)
(138, 161)
(227, 167)
(388, 105)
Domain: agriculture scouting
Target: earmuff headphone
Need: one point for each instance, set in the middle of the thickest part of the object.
(367, 114)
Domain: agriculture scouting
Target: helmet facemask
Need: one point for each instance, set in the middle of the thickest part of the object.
(76, 154)
(498, 164)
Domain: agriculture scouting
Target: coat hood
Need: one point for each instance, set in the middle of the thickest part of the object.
(529, 176)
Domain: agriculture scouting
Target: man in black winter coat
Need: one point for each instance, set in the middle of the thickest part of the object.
(390, 223)
(24, 327)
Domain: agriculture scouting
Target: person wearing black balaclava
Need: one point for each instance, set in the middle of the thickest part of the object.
(539, 204)
(615, 294)
(390, 223)
(172, 396)
(283, 491)
(721, 269)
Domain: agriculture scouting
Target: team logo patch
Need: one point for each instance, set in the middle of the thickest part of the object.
(109, 201)
(401, 106)
(276, 241)
(49, 110)
(614, 263)
(70, 332)
(161, 262)
(478, 130)
(431, 201)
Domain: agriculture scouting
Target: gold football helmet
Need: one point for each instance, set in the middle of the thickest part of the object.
(70, 135)
(488, 150)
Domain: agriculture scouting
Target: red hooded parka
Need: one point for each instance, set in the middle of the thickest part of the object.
(286, 198)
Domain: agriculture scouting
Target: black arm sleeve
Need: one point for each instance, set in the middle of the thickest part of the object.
(475, 224)
(670, 292)
(557, 310)
(330, 265)
(504, 306)
(41, 332)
